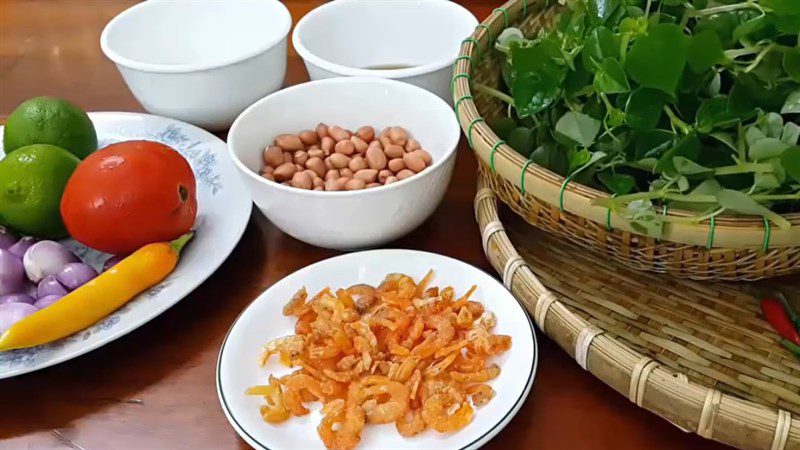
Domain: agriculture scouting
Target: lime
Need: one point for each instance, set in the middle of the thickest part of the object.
(47, 120)
(32, 180)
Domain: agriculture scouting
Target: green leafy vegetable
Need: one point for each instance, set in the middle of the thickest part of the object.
(656, 60)
(690, 104)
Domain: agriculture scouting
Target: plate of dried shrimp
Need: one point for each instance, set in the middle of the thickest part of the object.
(392, 349)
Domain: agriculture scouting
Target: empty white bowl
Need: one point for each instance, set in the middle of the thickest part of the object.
(412, 41)
(350, 219)
(200, 61)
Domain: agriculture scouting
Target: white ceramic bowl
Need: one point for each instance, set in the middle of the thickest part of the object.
(349, 219)
(200, 61)
(347, 37)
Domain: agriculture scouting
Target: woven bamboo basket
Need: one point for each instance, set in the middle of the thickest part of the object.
(695, 353)
(727, 248)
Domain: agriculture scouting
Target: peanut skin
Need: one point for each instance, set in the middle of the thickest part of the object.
(289, 143)
(273, 156)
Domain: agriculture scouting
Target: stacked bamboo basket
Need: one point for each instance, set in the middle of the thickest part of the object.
(694, 352)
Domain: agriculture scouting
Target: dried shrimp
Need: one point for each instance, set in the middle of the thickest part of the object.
(403, 352)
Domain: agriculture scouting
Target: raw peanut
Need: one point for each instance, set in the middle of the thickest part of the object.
(338, 133)
(412, 145)
(339, 160)
(376, 158)
(268, 176)
(311, 173)
(301, 180)
(284, 172)
(327, 145)
(384, 174)
(308, 137)
(320, 188)
(361, 146)
(398, 135)
(322, 131)
(403, 174)
(357, 163)
(286, 183)
(317, 165)
(332, 185)
(346, 172)
(341, 182)
(396, 165)
(273, 156)
(300, 157)
(287, 157)
(377, 144)
(355, 184)
(390, 180)
(289, 142)
(267, 169)
(425, 156)
(331, 175)
(345, 147)
(316, 153)
(368, 175)
(394, 151)
(385, 141)
(328, 164)
(366, 133)
(299, 167)
(372, 185)
(318, 183)
(414, 161)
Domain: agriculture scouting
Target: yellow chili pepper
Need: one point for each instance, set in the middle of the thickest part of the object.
(98, 298)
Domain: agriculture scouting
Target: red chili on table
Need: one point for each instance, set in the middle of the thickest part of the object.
(777, 316)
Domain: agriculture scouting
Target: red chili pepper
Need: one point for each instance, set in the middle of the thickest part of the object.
(779, 319)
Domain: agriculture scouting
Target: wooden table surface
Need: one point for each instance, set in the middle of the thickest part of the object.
(154, 388)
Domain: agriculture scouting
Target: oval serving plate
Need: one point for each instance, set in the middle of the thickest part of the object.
(238, 367)
(223, 211)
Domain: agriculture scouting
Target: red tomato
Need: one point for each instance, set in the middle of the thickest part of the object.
(128, 195)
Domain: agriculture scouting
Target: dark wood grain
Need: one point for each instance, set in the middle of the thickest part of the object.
(155, 387)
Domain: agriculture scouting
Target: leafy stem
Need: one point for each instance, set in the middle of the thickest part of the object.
(502, 96)
(760, 57)
(744, 168)
(676, 122)
(725, 8)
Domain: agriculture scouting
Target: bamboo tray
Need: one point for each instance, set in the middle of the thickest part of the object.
(695, 353)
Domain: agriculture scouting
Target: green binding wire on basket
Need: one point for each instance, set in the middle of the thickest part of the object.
(522, 175)
(765, 247)
(561, 193)
(488, 32)
(505, 15)
(468, 58)
(461, 99)
(491, 153)
(469, 129)
(710, 242)
(608, 216)
(475, 42)
(456, 77)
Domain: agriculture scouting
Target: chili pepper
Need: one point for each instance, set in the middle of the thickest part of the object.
(792, 314)
(98, 298)
(777, 316)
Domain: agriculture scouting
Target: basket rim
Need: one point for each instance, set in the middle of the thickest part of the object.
(709, 412)
(574, 196)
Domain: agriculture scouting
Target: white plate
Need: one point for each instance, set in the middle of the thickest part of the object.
(223, 211)
(262, 320)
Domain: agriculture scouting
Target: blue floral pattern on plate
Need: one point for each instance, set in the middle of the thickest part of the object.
(203, 152)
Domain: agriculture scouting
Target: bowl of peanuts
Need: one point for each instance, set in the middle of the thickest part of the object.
(346, 163)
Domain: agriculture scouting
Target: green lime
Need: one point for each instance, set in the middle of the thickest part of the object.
(32, 180)
(47, 120)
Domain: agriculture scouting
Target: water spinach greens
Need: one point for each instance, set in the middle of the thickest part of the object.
(689, 104)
